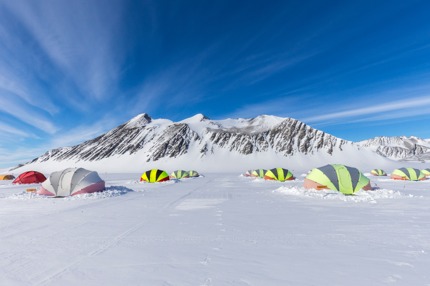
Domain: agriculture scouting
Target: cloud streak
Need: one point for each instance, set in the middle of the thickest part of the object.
(401, 108)
(79, 38)
(27, 115)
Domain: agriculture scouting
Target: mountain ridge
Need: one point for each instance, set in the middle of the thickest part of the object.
(204, 143)
(403, 148)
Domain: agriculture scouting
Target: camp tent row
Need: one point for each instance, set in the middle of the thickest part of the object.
(349, 180)
(275, 174)
(344, 179)
(74, 181)
(68, 182)
(157, 175)
(341, 178)
(408, 174)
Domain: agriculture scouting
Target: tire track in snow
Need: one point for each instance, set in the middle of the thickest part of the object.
(180, 199)
(105, 246)
(117, 239)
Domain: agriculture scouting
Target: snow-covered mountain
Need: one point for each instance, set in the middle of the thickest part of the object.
(198, 142)
(400, 148)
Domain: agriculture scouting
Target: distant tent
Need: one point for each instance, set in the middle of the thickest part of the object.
(378, 172)
(409, 174)
(30, 177)
(278, 174)
(259, 173)
(179, 174)
(72, 181)
(193, 174)
(344, 179)
(426, 172)
(154, 176)
(248, 173)
(6, 177)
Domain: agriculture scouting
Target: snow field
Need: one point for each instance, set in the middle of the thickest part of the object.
(221, 229)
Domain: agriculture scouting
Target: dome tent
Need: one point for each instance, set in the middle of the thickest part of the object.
(278, 174)
(179, 174)
(409, 174)
(344, 179)
(426, 172)
(30, 177)
(378, 172)
(72, 181)
(6, 177)
(154, 176)
(259, 173)
(193, 174)
(248, 173)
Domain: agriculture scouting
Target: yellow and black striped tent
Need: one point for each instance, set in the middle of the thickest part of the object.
(259, 173)
(426, 172)
(179, 174)
(154, 176)
(337, 177)
(193, 173)
(7, 177)
(408, 174)
(278, 174)
(378, 172)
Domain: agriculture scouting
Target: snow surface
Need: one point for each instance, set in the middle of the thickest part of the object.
(219, 229)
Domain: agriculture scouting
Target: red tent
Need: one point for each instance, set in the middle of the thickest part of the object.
(30, 177)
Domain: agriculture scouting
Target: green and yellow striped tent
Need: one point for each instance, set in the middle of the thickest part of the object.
(179, 174)
(259, 173)
(378, 172)
(341, 178)
(193, 174)
(408, 174)
(426, 172)
(278, 174)
(154, 176)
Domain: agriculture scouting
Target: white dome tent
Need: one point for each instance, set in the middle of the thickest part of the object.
(72, 181)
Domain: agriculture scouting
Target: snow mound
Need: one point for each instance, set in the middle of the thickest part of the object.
(109, 192)
(168, 182)
(361, 196)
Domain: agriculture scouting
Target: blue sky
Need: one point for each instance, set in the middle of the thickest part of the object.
(71, 70)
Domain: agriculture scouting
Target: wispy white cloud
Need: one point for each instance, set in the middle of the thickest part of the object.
(400, 108)
(266, 66)
(17, 78)
(11, 158)
(79, 37)
(30, 116)
(61, 139)
(4, 128)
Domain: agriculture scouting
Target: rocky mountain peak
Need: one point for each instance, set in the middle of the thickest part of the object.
(138, 121)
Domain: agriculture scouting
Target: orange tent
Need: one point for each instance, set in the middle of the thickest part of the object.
(6, 177)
